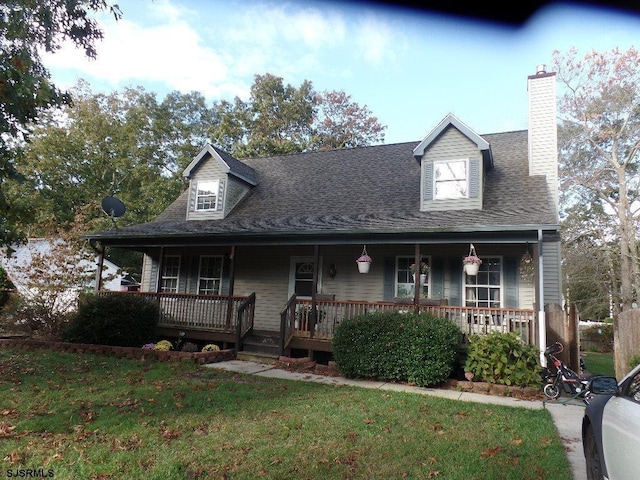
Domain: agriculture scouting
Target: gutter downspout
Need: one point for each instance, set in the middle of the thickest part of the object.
(542, 320)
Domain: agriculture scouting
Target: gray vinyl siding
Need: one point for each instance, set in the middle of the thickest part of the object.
(235, 191)
(551, 271)
(149, 274)
(207, 170)
(452, 145)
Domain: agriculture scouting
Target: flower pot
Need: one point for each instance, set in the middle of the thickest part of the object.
(363, 267)
(471, 268)
(423, 279)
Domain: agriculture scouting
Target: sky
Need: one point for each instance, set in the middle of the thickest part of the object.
(409, 68)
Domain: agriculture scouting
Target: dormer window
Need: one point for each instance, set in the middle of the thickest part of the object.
(207, 195)
(450, 179)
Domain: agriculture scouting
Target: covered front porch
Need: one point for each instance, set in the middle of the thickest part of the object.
(309, 324)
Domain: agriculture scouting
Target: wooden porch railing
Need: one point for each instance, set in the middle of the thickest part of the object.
(246, 312)
(287, 323)
(208, 312)
(470, 320)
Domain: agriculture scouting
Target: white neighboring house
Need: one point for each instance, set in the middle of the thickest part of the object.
(17, 268)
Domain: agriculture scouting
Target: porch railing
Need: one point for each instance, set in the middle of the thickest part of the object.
(287, 323)
(245, 315)
(183, 310)
(470, 320)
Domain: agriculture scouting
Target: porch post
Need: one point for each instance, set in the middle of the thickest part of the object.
(232, 275)
(160, 267)
(100, 266)
(542, 319)
(313, 314)
(159, 283)
(416, 279)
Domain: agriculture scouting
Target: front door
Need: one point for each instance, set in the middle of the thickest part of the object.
(301, 277)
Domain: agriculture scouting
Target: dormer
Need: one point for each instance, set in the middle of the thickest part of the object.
(453, 159)
(217, 182)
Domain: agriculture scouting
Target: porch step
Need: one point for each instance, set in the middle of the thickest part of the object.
(257, 357)
(262, 344)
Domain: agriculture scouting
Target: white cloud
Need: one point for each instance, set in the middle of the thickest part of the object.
(376, 40)
(218, 50)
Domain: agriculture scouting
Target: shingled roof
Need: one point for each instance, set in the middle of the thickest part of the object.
(371, 190)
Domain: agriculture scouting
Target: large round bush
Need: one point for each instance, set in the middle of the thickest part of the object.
(118, 320)
(419, 349)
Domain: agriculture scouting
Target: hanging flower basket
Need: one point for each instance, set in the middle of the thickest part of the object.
(471, 262)
(364, 261)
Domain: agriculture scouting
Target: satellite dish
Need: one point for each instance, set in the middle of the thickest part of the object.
(113, 207)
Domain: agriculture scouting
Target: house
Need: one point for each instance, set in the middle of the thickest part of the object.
(25, 258)
(268, 246)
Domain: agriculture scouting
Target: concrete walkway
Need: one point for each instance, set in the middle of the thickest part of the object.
(567, 417)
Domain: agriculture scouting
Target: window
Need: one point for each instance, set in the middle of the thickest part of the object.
(450, 179)
(484, 290)
(303, 279)
(404, 278)
(207, 195)
(210, 277)
(170, 273)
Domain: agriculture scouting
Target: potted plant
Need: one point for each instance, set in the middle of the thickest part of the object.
(424, 271)
(471, 263)
(364, 261)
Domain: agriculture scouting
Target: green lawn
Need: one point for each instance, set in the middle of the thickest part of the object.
(99, 417)
(599, 363)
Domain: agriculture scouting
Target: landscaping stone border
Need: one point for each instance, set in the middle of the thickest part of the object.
(133, 353)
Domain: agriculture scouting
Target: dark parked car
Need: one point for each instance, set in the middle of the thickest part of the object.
(611, 428)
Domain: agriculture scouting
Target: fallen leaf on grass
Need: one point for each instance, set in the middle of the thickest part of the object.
(14, 457)
(5, 430)
(492, 451)
(170, 434)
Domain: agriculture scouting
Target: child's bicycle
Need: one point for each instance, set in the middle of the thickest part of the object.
(559, 378)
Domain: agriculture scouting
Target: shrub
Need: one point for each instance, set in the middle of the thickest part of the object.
(599, 334)
(503, 359)
(635, 360)
(118, 320)
(6, 287)
(419, 349)
(211, 347)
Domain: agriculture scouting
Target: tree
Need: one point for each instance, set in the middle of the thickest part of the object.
(282, 119)
(344, 124)
(28, 27)
(591, 262)
(58, 269)
(599, 138)
(123, 144)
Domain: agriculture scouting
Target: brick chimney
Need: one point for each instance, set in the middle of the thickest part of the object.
(543, 129)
